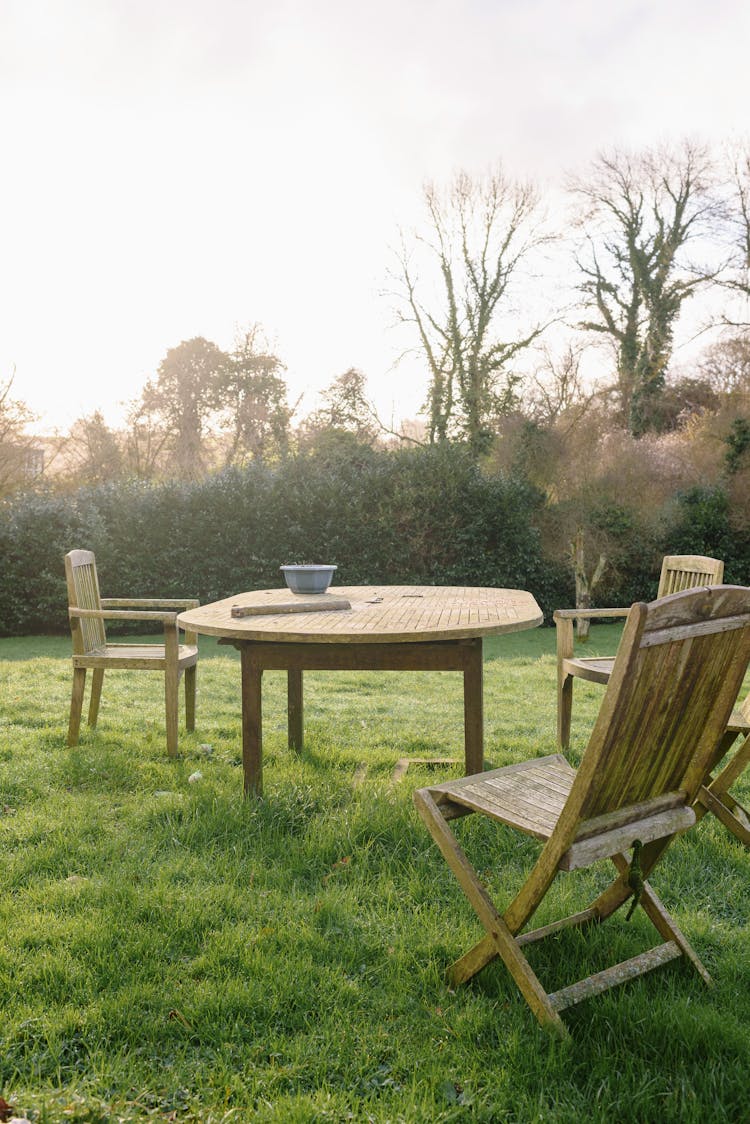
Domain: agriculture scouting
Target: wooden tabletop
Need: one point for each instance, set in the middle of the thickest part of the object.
(378, 614)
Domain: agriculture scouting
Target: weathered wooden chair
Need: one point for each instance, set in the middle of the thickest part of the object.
(678, 572)
(88, 612)
(677, 672)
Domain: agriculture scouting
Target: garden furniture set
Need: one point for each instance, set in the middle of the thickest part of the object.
(649, 772)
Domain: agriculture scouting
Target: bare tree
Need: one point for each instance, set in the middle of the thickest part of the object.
(146, 442)
(183, 395)
(639, 213)
(95, 450)
(250, 394)
(21, 459)
(725, 365)
(738, 279)
(557, 388)
(346, 407)
(479, 232)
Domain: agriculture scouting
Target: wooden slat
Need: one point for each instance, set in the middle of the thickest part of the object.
(609, 843)
(629, 814)
(611, 977)
(149, 602)
(688, 632)
(585, 917)
(587, 614)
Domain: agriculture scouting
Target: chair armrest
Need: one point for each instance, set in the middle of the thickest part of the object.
(564, 618)
(169, 620)
(150, 602)
(592, 614)
(121, 615)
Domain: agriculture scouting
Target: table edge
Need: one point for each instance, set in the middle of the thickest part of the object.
(246, 632)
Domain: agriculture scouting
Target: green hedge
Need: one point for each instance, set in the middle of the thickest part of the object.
(426, 516)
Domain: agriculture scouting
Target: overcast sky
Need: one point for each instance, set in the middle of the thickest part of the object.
(175, 168)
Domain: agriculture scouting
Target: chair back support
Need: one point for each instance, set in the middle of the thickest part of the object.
(676, 676)
(83, 593)
(687, 571)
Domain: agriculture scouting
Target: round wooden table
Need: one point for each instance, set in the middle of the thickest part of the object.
(387, 628)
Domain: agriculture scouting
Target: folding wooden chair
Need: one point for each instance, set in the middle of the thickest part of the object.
(675, 679)
(678, 572)
(88, 612)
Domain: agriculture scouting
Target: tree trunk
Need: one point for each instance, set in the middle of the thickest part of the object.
(585, 586)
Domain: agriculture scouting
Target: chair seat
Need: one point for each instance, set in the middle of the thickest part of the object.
(528, 796)
(148, 657)
(595, 670)
(738, 723)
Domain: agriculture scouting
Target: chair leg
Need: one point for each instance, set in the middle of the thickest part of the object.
(171, 687)
(564, 711)
(728, 810)
(478, 957)
(190, 683)
(663, 922)
(76, 704)
(505, 943)
(97, 679)
(715, 796)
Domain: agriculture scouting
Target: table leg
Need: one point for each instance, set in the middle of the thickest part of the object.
(473, 709)
(252, 725)
(294, 708)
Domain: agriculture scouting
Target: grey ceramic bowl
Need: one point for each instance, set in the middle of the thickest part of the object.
(308, 579)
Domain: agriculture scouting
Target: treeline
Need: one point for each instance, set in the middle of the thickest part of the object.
(508, 312)
(420, 515)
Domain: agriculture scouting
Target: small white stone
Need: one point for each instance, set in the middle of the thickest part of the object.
(195, 777)
(207, 749)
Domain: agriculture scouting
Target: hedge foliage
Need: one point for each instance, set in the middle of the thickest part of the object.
(424, 516)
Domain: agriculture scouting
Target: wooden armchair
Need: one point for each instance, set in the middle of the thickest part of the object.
(88, 612)
(678, 572)
(675, 679)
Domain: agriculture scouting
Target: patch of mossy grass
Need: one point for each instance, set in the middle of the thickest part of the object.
(170, 951)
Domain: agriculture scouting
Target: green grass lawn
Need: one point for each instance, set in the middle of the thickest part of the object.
(172, 952)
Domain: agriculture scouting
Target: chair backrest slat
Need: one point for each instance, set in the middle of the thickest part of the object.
(676, 676)
(687, 571)
(83, 593)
